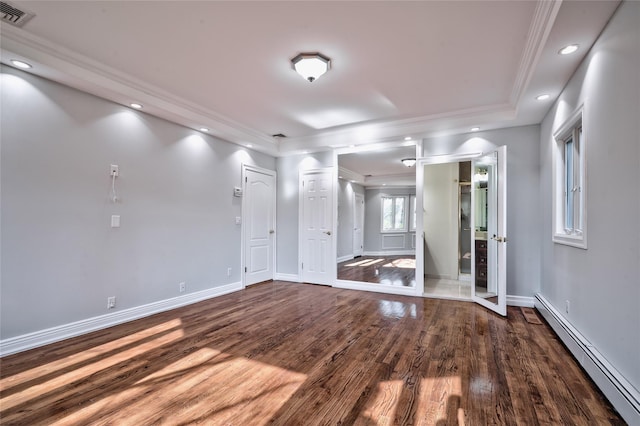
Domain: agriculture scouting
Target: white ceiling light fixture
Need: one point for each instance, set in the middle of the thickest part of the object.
(542, 97)
(567, 50)
(407, 138)
(311, 65)
(204, 129)
(409, 162)
(135, 106)
(21, 64)
(475, 129)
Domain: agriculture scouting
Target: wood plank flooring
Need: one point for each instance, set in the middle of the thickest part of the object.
(398, 271)
(297, 354)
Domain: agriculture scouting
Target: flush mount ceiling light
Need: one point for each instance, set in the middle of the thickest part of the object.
(567, 50)
(20, 64)
(409, 162)
(311, 65)
(135, 106)
(204, 129)
(475, 129)
(542, 97)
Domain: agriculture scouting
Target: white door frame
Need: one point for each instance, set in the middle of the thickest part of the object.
(333, 250)
(244, 215)
(433, 159)
(356, 196)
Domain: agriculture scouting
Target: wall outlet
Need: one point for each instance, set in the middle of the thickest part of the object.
(182, 286)
(111, 302)
(114, 170)
(228, 272)
(566, 306)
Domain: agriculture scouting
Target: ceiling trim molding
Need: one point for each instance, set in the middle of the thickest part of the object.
(388, 131)
(543, 19)
(86, 74)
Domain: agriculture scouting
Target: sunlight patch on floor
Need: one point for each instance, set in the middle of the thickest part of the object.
(206, 386)
(401, 263)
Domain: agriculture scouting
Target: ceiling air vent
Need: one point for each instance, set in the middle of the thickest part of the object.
(13, 15)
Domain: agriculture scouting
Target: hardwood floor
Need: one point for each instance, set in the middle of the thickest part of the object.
(390, 270)
(298, 354)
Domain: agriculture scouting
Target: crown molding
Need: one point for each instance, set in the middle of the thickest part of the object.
(543, 19)
(60, 64)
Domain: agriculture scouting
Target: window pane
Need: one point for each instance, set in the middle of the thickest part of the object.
(569, 184)
(399, 213)
(387, 213)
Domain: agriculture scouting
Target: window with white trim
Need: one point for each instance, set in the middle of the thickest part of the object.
(394, 213)
(569, 183)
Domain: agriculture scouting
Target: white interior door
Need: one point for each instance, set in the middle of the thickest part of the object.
(358, 224)
(489, 214)
(317, 261)
(259, 225)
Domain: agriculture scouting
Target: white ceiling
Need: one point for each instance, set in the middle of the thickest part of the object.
(399, 68)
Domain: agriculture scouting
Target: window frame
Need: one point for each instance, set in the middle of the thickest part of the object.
(405, 218)
(569, 182)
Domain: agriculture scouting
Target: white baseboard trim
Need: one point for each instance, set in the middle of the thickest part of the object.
(287, 277)
(524, 301)
(345, 258)
(622, 395)
(377, 288)
(55, 334)
(390, 253)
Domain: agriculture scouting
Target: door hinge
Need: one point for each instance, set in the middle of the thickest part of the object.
(246, 179)
(302, 267)
(245, 269)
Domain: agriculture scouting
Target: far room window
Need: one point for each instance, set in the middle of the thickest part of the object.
(569, 182)
(394, 217)
(412, 211)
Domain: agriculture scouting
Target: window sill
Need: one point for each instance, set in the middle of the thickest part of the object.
(578, 241)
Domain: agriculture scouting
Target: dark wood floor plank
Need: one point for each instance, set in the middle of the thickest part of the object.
(297, 354)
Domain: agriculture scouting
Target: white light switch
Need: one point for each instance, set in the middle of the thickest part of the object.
(115, 221)
(238, 220)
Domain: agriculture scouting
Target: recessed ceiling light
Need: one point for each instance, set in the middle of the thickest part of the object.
(135, 105)
(21, 64)
(542, 97)
(204, 129)
(407, 138)
(567, 50)
(475, 129)
(339, 177)
(249, 145)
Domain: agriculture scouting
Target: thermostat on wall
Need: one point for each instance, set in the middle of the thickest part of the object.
(237, 191)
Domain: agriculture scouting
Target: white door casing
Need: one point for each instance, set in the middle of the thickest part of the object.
(358, 224)
(259, 218)
(317, 253)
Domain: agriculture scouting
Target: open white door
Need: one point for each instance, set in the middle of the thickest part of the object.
(358, 224)
(317, 256)
(489, 218)
(258, 210)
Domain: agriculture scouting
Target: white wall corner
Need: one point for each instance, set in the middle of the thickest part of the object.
(66, 331)
(524, 301)
(618, 390)
(295, 278)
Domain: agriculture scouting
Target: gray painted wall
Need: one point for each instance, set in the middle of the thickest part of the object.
(287, 205)
(60, 257)
(523, 196)
(346, 191)
(602, 283)
(373, 219)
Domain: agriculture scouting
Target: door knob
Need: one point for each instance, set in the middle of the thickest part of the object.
(271, 231)
(327, 232)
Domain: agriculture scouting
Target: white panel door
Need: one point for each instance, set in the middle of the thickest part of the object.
(317, 264)
(358, 224)
(489, 206)
(259, 225)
